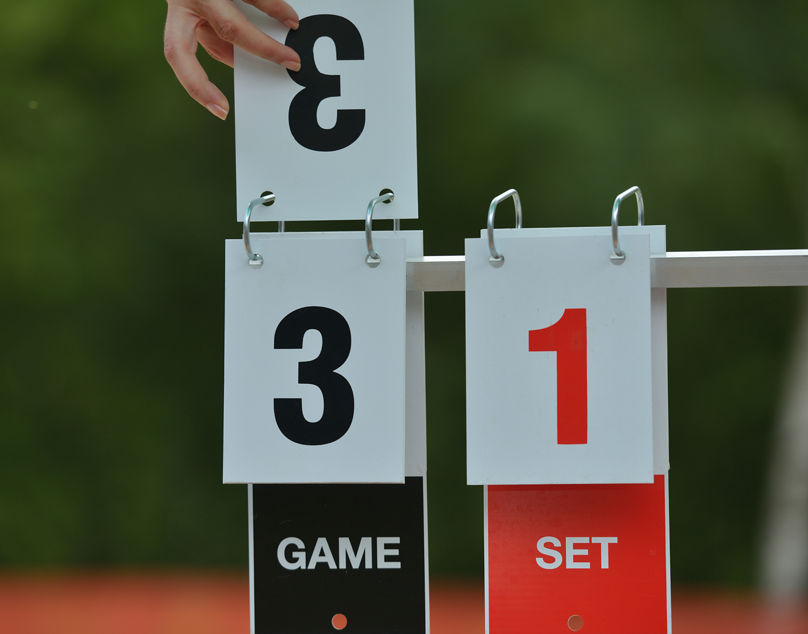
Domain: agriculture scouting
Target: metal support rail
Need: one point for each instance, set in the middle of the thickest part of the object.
(679, 269)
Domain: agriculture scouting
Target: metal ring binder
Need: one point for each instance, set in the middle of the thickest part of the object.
(497, 259)
(618, 256)
(373, 259)
(255, 259)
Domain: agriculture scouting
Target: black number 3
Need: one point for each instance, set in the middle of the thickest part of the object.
(318, 86)
(338, 398)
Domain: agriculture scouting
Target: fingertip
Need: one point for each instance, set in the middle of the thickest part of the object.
(292, 24)
(217, 110)
(291, 65)
(292, 60)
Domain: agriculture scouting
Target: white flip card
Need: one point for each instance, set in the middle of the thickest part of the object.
(326, 139)
(415, 388)
(659, 330)
(315, 360)
(558, 359)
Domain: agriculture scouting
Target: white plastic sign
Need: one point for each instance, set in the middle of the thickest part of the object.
(415, 388)
(558, 360)
(329, 138)
(659, 330)
(314, 360)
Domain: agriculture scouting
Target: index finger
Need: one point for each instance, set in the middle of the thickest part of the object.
(180, 52)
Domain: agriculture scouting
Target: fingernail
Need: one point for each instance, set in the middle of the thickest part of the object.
(218, 111)
(291, 65)
(292, 24)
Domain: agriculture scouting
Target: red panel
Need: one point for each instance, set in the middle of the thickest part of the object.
(627, 597)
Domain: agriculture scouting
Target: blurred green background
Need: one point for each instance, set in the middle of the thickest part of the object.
(118, 192)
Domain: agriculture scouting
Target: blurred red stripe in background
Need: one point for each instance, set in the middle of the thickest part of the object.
(180, 603)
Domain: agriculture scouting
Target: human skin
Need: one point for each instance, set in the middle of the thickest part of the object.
(218, 26)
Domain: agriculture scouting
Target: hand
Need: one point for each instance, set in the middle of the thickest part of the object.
(218, 25)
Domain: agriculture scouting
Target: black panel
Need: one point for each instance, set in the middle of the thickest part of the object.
(374, 600)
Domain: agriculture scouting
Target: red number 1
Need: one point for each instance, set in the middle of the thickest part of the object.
(567, 338)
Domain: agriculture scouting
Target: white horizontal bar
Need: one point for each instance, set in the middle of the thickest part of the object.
(437, 273)
(682, 269)
(713, 269)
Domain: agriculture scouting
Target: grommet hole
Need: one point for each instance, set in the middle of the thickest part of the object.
(339, 621)
(575, 623)
(271, 202)
(386, 190)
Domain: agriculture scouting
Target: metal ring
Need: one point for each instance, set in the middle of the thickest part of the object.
(497, 259)
(255, 259)
(618, 256)
(373, 259)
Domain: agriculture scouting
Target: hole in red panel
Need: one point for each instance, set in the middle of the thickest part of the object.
(575, 623)
(339, 621)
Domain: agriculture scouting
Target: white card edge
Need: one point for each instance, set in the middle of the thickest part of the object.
(251, 551)
(485, 551)
(426, 557)
(668, 552)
